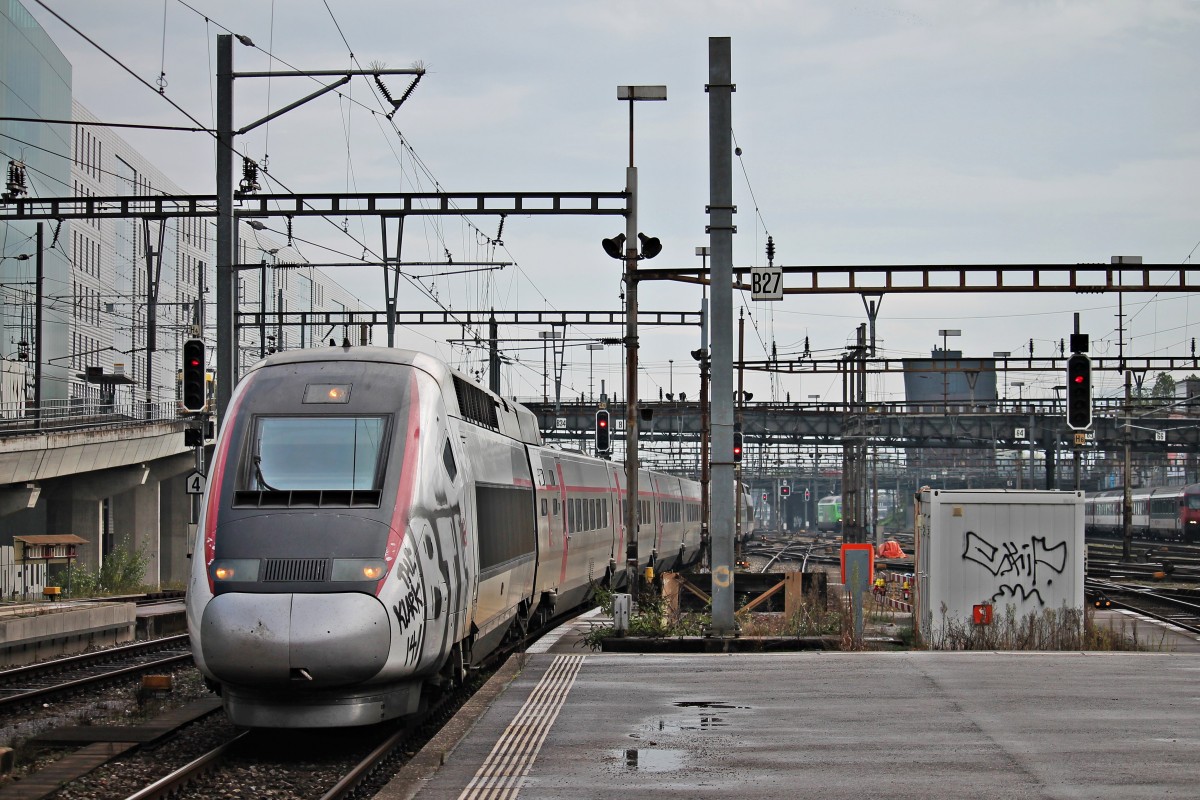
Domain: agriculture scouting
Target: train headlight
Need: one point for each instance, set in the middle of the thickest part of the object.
(235, 569)
(358, 569)
(327, 393)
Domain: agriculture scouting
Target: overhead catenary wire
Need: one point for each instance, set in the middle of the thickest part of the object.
(124, 67)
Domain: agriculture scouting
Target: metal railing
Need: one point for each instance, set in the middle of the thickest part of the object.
(57, 415)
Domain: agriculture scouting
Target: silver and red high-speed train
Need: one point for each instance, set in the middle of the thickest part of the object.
(374, 523)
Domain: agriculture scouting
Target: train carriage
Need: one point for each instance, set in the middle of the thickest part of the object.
(1170, 512)
(829, 513)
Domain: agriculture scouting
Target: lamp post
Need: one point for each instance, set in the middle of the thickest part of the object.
(1020, 391)
(1005, 354)
(702, 356)
(262, 301)
(592, 348)
(632, 94)
(946, 333)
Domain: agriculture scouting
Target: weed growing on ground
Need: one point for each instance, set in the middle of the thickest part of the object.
(1046, 630)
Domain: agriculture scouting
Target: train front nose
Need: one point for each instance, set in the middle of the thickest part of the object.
(302, 640)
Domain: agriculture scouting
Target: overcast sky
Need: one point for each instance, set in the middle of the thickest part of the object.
(922, 131)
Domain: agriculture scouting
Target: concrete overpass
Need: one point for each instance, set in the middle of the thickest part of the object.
(106, 477)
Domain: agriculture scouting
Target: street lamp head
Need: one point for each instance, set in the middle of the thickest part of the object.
(641, 93)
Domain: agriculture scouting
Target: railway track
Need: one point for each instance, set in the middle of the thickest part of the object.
(1181, 609)
(294, 764)
(47, 680)
(205, 756)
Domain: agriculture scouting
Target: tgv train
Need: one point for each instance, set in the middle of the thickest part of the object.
(375, 523)
(1165, 512)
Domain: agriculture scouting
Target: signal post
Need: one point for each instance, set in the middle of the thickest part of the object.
(1079, 394)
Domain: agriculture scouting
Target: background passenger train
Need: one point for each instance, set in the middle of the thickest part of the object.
(1170, 512)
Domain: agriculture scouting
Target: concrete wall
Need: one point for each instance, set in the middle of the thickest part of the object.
(30, 633)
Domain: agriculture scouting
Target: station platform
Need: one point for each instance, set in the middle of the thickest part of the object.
(562, 721)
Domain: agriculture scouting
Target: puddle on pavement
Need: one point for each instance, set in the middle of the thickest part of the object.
(704, 723)
(718, 704)
(650, 760)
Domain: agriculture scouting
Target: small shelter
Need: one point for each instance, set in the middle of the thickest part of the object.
(48, 549)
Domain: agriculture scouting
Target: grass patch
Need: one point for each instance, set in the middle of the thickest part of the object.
(1050, 629)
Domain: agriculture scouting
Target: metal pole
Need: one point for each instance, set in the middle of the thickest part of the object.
(1127, 483)
(1032, 442)
(262, 302)
(39, 281)
(493, 355)
(703, 422)
(740, 416)
(1127, 500)
(631, 364)
(227, 371)
(720, 149)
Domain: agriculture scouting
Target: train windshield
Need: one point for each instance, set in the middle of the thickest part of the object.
(1193, 502)
(317, 453)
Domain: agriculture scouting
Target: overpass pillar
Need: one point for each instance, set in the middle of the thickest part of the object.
(136, 518)
(69, 511)
(176, 507)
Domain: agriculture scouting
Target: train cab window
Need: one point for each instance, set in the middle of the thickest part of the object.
(1193, 502)
(315, 453)
(448, 461)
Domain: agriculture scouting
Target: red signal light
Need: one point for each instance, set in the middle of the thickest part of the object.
(194, 379)
(603, 444)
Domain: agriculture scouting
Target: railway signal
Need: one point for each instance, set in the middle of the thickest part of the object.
(603, 440)
(1079, 392)
(785, 491)
(737, 447)
(193, 375)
